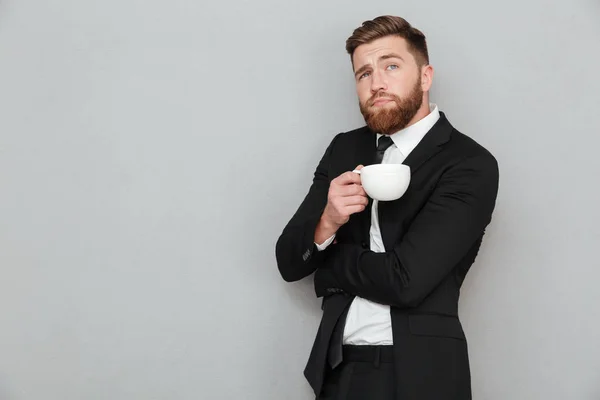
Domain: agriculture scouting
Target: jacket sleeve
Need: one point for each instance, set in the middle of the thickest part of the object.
(296, 253)
(451, 221)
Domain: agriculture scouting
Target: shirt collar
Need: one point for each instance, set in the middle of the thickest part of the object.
(408, 138)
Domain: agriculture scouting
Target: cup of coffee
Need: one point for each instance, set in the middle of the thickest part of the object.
(385, 182)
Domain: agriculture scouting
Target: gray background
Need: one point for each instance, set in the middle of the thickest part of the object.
(151, 152)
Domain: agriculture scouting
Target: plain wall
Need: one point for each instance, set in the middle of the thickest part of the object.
(151, 152)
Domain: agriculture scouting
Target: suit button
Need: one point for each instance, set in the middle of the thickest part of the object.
(306, 254)
(364, 245)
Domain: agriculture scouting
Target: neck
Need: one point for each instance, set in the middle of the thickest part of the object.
(423, 111)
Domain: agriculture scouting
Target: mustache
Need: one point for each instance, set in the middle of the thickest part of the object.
(381, 95)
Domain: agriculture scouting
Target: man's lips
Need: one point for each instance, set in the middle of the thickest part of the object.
(381, 101)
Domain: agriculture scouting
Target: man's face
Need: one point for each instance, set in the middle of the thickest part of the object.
(388, 83)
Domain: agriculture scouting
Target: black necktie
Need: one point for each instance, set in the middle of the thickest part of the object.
(382, 144)
(335, 346)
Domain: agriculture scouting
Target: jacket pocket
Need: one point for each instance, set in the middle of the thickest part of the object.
(436, 325)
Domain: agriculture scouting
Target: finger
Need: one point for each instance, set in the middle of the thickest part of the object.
(359, 167)
(355, 209)
(349, 190)
(358, 190)
(347, 178)
(355, 200)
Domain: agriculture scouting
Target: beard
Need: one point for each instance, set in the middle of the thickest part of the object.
(386, 120)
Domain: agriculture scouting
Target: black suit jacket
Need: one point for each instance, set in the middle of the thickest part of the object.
(431, 235)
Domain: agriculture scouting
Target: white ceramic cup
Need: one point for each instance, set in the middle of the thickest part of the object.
(385, 182)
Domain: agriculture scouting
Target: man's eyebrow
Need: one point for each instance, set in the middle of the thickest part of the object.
(390, 55)
(362, 69)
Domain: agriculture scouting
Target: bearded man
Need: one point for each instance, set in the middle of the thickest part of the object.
(390, 272)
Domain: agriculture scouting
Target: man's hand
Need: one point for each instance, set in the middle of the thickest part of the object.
(346, 197)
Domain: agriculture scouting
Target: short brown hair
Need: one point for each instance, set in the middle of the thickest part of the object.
(388, 25)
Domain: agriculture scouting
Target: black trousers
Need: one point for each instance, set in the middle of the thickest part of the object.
(366, 373)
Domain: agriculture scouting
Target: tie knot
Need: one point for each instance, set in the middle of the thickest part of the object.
(383, 143)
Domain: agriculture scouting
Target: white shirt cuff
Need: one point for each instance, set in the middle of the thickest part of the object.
(326, 243)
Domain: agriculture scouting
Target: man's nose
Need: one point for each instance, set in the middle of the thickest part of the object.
(378, 82)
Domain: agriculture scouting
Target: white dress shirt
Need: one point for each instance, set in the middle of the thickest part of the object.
(370, 323)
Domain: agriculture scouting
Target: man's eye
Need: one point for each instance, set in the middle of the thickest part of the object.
(364, 75)
(393, 66)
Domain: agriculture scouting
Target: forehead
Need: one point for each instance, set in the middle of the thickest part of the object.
(368, 53)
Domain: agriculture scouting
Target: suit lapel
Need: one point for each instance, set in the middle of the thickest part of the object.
(365, 154)
(366, 146)
(428, 147)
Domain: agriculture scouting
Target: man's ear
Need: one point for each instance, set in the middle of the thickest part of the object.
(426, 77)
